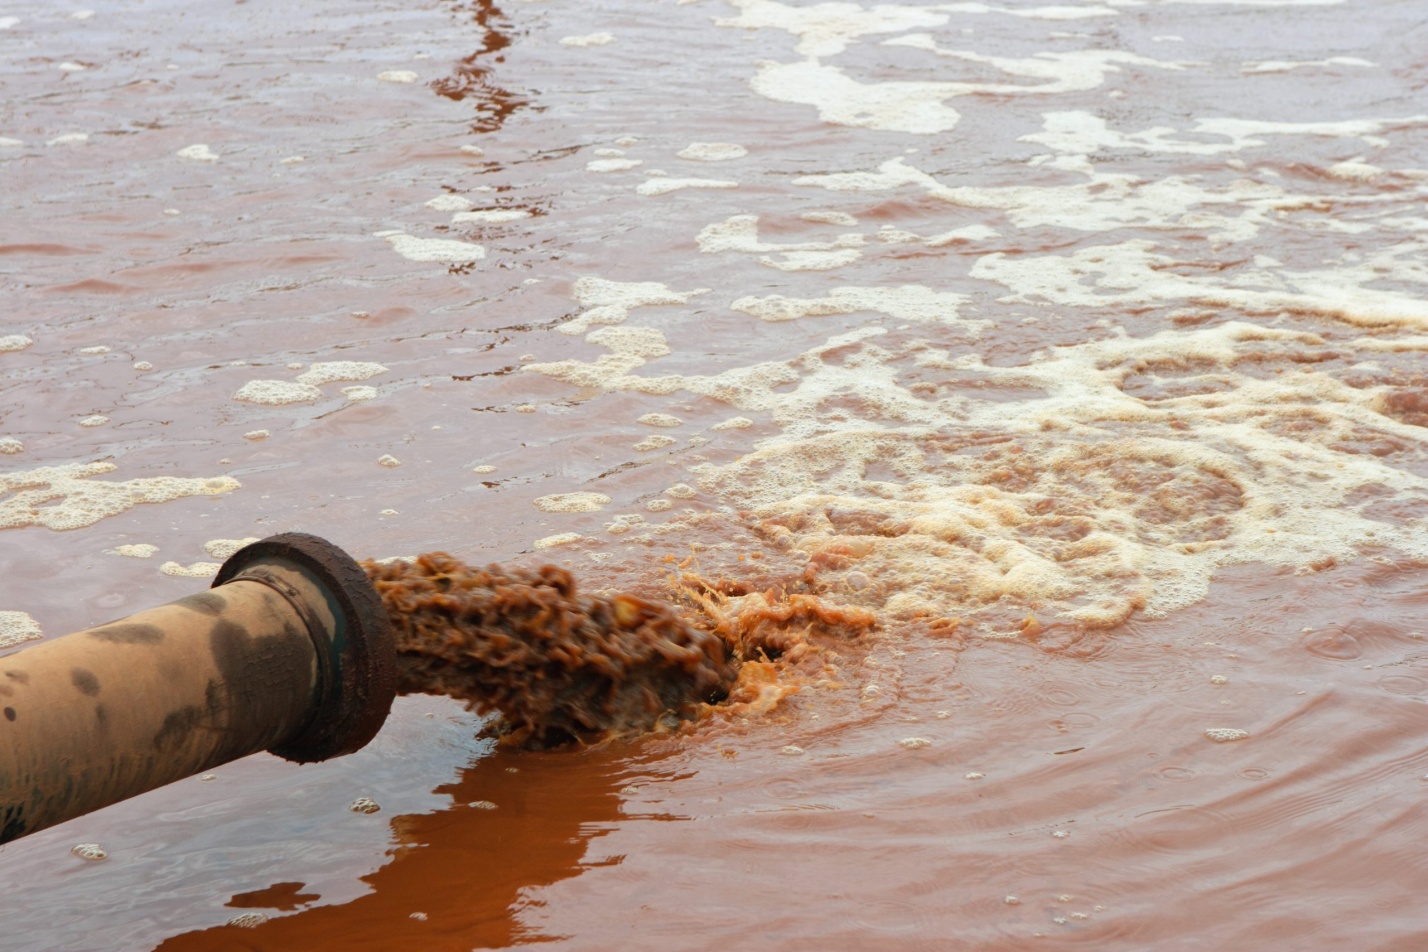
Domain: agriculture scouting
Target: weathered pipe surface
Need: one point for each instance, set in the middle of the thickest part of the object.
(289, 652)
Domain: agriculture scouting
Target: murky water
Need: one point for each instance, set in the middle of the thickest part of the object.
(1082, 344)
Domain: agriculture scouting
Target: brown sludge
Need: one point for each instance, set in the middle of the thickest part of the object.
(555, 663)
(559, 665)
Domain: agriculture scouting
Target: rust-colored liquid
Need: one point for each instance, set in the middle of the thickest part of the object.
(1018, 406)
(557, 665)
(561, 666)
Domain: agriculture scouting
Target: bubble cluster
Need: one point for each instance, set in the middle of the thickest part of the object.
(68, 497)
(16, 628)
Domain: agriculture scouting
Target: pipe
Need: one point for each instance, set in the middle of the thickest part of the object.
(290, 652)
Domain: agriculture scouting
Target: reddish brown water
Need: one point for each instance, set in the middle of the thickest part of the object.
(1081, 345)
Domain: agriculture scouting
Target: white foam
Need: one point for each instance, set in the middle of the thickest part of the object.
(97, 419)
(66, 497)
(197, 153)
(1224, 735)
(915, 107)
(1097, 201)
(256, 435)
(449, 203)
(276, 393)
(8, 143)
(389, 461)
(7, 23)
(13, 343)
(358, 394)
(610, 302)
(612, 165)
(589, 39)
(712, 151)
(572, 502)
(733, 423)
(325, 372)
(137, 550)
(70, 66)
(1284, 66)
(16, 628)
(663, 186)
(489, 216)
(1131, 273)
(827, 29)
(660, 420)
(398, 76)
(740, 233)
(1081, 133)
(559, 539)
(912, 303)
(830, 218)
(10, 446)
(651, 443)
(434, 249)
(69, 138)
(224, 548)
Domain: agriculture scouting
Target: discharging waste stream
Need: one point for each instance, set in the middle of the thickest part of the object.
(560, 665)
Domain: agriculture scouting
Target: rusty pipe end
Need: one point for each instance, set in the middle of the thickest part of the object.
(351, 633)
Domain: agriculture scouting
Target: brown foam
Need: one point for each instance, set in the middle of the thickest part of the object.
(559, 665)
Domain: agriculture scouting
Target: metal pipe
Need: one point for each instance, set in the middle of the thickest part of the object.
(290, 651)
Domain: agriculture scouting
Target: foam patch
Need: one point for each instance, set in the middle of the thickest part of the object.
(196, 570)
(740, 233)
(489, 216)
(712, 151)
(68, 497)
(197, 153)
(138, 550)
(663, 186)
(325, 372)
(912, 303)
(276, 393)
(589, 39)
(610, 302)
(434, 249)
(16, 628)
(572, 502)
(223, 548)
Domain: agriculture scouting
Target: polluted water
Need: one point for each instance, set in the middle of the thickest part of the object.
(561, 668)
(1006, 420)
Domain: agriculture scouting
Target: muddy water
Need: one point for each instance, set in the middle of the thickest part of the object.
(557, 666)
(1081, 344)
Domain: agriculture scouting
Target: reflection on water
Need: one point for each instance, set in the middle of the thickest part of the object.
(460, 877)
(471, 79)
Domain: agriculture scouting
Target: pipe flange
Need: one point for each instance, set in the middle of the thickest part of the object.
(356, 660)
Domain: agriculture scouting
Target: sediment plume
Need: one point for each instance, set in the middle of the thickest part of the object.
(560, 665)
(557, 664)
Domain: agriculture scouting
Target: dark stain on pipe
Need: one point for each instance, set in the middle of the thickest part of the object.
(294, 655)
(129, 634)
(85, 680)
